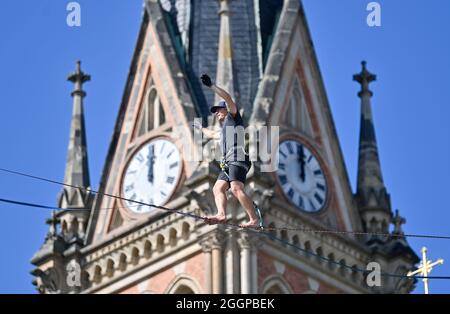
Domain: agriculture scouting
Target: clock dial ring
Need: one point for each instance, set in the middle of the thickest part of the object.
(301, 180)
(151, 175)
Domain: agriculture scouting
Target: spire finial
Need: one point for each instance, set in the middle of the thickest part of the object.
(78, 78)
(224, 7)
(78, 68)
(398, 221)
(52, 222)
(364, 78)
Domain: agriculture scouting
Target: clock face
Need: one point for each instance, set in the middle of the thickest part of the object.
(301, 177)
(151, 175)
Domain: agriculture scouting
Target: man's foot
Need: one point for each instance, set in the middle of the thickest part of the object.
(216, 219)
(250, 224)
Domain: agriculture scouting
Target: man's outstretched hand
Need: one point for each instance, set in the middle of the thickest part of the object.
(206, 80)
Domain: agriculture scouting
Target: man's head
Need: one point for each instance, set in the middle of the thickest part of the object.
(220, 110)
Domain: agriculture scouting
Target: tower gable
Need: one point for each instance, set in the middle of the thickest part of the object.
(292, 95)
(157, 103)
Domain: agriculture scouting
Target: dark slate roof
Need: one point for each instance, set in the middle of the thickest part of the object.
(245, 58)
(204, 41)
(269, 14)
(203, 47)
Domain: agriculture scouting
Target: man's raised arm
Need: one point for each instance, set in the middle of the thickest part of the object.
(231, 105)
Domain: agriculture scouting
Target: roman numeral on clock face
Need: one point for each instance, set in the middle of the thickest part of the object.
(300, 202)
(291, 193)
(313, 208)
(290, 148)
(318, 198)
(129, 172)
(139, 157)
(320, 186)
(140, 207)
(129, 187)
(318, 172)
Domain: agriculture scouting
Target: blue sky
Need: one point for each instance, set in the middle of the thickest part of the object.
(410, 53)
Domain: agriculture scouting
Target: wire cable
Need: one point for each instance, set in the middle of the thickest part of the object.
(259, 232)
(287, 227)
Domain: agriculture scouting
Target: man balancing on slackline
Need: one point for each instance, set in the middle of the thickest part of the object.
(235, 162)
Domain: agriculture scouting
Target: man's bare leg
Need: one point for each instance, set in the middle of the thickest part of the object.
(220, 198)
(237, 188)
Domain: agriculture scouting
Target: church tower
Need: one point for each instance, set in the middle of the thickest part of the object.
(261, 51)
(61, 250)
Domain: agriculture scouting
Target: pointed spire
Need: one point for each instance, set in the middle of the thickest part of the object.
(372, 196)
(224, 76)
(370, 184)
(77, 171)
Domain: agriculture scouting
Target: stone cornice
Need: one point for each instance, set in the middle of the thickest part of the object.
(148, 225)
(287, 215)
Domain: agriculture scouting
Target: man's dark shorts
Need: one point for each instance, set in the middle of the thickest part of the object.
(235, 173)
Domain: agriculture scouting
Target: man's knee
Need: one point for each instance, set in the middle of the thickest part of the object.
(236, 189)
(220, 188)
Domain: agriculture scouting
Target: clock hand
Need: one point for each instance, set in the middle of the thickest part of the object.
(150, 161)
(301, 159)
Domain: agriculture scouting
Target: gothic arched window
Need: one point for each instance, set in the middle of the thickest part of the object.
(184, 290)
(297, 115)
(275, 284)
(152, 114)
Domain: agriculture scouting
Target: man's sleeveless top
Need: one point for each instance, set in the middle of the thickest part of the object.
(232, 141)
